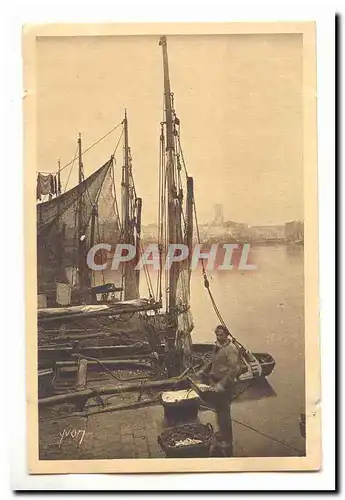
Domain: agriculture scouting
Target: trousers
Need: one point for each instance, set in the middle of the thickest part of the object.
(222, 406)
(223, 412)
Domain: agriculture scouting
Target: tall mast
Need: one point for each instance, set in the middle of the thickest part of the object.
(130, 288)
(189, 223)
(94, 214)
(171, 187)
(126, 182)
(81, 236)
(59, 178)
(58, 194)
(138, 240)
(59, 229)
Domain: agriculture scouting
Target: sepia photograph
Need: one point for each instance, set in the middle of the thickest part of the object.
(171, 236)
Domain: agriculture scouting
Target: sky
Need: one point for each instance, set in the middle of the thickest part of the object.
(238, 97)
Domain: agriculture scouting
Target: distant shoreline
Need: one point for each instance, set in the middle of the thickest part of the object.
(238, 242)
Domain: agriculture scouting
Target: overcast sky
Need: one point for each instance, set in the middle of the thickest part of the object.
(238, 97)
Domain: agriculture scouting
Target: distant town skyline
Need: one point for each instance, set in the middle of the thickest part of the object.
(292, 231)
(226, 221)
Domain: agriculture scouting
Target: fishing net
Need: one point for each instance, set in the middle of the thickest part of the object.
(57, 227)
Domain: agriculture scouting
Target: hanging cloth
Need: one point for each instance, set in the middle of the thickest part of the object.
(52, 185)
(45, 185)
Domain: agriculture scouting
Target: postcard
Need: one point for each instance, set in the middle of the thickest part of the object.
(171, 248)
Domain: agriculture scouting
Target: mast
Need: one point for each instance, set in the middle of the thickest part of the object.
(189, 222)
(80, 229)
(59, 230)
(126, 182)
(94, 214)
(130, 288)
(171, 187)
(59, 179)
(58, 196)
(138, 240)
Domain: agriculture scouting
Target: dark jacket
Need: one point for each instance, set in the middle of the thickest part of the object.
(225, 365)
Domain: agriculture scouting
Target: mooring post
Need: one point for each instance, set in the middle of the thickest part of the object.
(81, 374)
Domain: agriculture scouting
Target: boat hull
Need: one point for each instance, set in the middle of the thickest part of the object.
(129, 357)
(265, 360)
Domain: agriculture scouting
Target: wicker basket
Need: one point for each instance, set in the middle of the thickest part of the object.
(169, 438)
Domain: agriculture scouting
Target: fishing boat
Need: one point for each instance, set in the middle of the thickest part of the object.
(69, 225)
(167, 352)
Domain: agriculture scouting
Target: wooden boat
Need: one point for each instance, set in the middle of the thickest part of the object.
(69, 224)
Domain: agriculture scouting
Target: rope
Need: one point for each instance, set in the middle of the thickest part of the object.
(147, 276)
(204, 273)
(118, 142)
(69, 175)
(115, 204)
(283, 443)
(121, 379)
(90, 147)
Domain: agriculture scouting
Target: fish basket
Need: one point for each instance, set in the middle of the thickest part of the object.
(180, 405)
(187, 441)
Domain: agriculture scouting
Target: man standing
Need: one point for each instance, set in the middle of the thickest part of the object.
(221, 373)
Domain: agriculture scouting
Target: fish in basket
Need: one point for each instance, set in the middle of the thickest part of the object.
(187, 441)
(206, 393)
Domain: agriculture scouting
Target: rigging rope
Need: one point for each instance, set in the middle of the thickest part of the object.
(118, 142)
(204, 273)
(147, 276)
(72, 165)
(90, 147)
(121, 379)
(115, 204)
(283, 443)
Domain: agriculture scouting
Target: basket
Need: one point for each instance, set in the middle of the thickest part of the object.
(169, 441)
(180, 405)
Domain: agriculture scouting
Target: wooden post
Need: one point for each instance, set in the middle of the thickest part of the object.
(62, 329)
(81, 374)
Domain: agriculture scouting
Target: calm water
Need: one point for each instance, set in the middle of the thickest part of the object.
(265, 310)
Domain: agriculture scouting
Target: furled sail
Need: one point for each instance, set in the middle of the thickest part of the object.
(131, 220)
(175, 225)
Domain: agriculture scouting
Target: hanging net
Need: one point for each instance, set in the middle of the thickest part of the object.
(57, 227)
